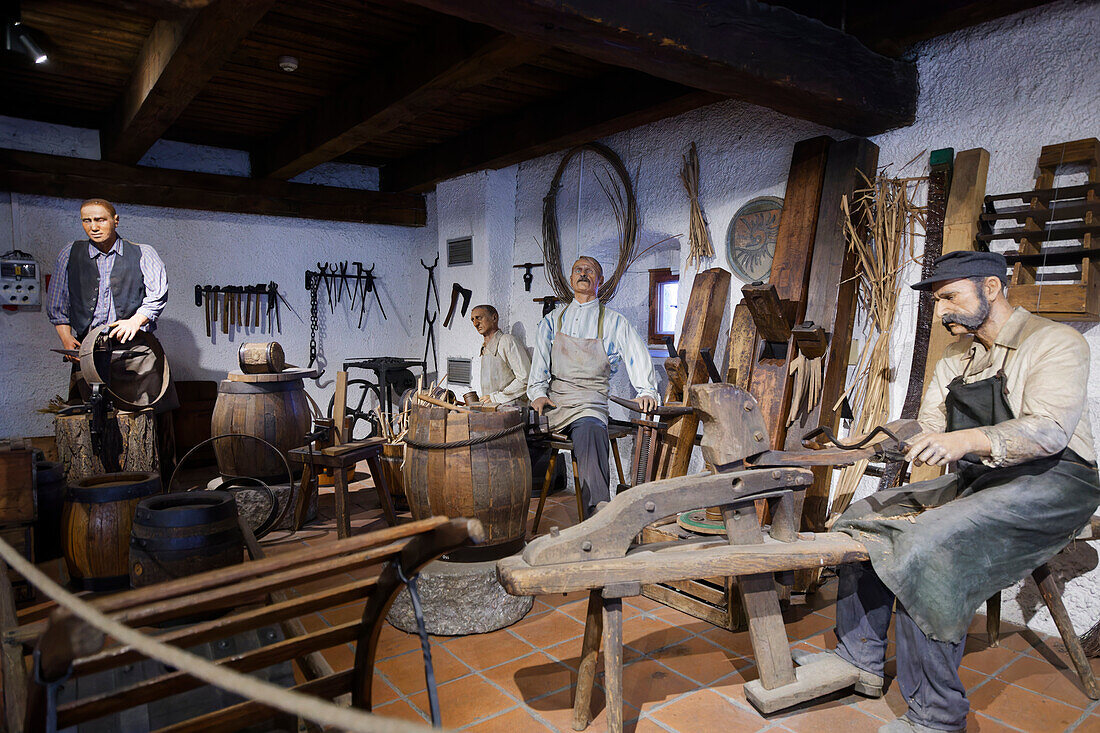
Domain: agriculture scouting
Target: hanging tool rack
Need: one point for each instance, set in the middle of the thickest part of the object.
(238, 306)
(338, 279)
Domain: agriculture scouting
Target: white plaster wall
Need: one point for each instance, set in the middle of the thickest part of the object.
(209, 248)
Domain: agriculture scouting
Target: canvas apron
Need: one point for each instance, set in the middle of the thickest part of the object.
(946, 545)
(580, 377)
(496, 374)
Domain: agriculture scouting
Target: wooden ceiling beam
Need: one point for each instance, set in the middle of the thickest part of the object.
(79, 178)
(621, 101)
(764, 54)
(178, 59)
(448, 59)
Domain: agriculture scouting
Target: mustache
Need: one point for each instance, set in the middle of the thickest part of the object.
(969, 322)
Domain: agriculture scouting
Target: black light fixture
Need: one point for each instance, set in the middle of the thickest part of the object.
(18, 38)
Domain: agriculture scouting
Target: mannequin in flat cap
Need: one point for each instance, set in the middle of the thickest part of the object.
(577, 348)
(1006, 411)
(504, 362)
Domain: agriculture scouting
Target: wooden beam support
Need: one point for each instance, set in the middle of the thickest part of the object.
(451, 58)
(761, 53)
(612, 104)
(179, 57)
(80, 178)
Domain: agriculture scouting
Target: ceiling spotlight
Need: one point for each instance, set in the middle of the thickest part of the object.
(288, 63)
(17, 37)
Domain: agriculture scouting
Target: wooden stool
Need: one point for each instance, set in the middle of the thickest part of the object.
(558, 443)
(340, 458)
(1052, 597)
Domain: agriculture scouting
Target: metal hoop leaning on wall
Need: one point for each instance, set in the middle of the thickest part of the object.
(625, 207)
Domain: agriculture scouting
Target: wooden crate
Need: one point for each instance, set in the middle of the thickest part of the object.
(714, 600)
(17, 485)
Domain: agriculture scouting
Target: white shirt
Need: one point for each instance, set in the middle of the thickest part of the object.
(621, 342)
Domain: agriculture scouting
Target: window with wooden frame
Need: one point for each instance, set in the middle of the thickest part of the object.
(664, 288)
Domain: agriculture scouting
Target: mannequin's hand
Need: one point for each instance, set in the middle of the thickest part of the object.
(541, 405)
(127, 328)
(647, 404)
(939, 449)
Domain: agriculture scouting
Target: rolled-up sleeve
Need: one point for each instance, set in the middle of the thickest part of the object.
(57, 301)
(156, 284)
(538, 381)
(1053, 400)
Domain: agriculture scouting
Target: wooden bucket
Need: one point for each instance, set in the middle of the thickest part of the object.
(95, 527)
(393, 455)
(183, 533)
(261, 358)
(489, 480)
(273, 409)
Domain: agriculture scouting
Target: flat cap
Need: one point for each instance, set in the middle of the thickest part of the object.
(955, 265)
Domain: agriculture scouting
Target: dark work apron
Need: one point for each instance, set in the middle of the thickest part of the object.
(946, 545)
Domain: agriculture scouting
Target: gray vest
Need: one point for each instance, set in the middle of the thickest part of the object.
(127, 285)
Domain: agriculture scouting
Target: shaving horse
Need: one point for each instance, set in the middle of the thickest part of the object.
(600, 555)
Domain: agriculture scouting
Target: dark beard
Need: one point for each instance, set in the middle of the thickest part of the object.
(970, 321)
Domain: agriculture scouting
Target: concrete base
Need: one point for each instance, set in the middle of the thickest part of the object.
(252, 504)
(460, 598)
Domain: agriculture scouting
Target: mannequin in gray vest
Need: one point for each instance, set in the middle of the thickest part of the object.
(105, 280)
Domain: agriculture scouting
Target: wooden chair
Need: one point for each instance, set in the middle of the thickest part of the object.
(340, 458)
(252, 596)
(1052, 597)
(557, 443)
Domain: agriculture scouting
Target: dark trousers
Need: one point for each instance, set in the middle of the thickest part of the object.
(590, 448)
(928, 670)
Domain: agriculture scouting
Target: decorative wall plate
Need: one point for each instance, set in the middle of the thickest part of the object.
(750, 241)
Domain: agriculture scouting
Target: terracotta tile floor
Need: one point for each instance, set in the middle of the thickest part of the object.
(681, 673)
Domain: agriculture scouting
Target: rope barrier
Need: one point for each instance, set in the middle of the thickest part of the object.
(294, 703)
(488, 437)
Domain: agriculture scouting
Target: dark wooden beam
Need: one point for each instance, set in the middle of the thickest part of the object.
(763, 54)
(179, 57)
(80, 178)
(615, 103)
(448, 59)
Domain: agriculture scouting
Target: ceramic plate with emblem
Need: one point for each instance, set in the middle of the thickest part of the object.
(750, 241)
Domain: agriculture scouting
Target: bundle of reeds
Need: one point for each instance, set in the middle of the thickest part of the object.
(881, 224)
(699, 245)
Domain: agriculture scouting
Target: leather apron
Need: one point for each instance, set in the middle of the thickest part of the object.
(946, 545)
(580, 377)
(496, 375)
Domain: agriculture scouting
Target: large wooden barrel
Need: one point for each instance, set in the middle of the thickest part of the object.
(95, 527)
(183, 533)
(268, 406)
(489, 480)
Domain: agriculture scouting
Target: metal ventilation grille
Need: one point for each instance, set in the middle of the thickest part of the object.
(460, 251)
(458, 371)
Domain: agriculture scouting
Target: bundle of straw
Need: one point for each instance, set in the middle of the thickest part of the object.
(699, 245)
(880, 225)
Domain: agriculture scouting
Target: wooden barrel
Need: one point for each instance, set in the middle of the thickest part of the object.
(393, 455)
(183, 533)
(95, 527)
(268, 406)
(489, 480)
(49, 496)
(261, 358)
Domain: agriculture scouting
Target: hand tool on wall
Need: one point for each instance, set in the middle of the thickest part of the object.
(273, 305)
(256, 314)
(457, 291)
(368, 287)
(358, 290)
(323, 271)
(342, 286)
(549, 303)
(430, 322)
(431, 284)
(202, 302)
(528, 276)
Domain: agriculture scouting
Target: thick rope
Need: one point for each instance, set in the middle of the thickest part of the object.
(294, 703)
(495, 435)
